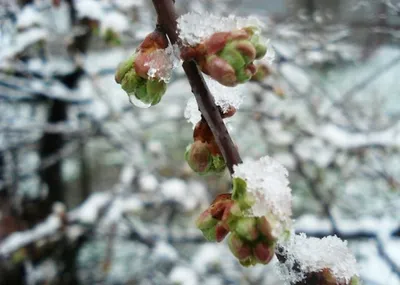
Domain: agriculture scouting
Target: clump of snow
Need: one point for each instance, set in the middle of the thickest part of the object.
(89, 9)
(29, 17)
(20, 239)
(195, 27)
(163, 62)
(182, 275)
(225, 97)
(163, 250)
(267, 180)
(88, 211)
(189, 195)
(148, 182)
(114, 21)
(314, 254)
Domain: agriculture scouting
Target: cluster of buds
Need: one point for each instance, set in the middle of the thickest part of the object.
(326, 277)
(133, 76)
(203, 155)
(228, 56)
(251, 239)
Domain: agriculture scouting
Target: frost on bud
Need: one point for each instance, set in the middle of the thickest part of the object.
(133, 76)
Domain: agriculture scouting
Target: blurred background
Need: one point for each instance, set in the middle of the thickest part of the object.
(94, 190)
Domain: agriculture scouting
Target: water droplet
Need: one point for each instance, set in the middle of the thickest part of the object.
(135, 101)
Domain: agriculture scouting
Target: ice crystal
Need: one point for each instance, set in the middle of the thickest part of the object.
(195, 27)
(313, 255)
(163, 62)
(268, 183)
(225, 97)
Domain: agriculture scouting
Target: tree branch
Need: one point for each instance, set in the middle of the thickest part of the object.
(167, 22)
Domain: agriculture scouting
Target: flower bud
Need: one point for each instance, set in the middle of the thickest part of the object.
(239, 248)
(131, 82)
(220, 70)
(199, 157)
(246, 228)
(206, 220)
(132, 74)
(220, 232)
(228, 56)
(259, 45)
(218, 164)
(263, 252)
(123, 68)
(265, 228)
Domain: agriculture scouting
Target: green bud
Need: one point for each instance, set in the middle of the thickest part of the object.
(210, 234)
(131, 81)
(239, 248)
(205, 220)
(259, 45)
(243, 75)
(246, 228)
(123, 68)
(199, 157)
(218, 163)
(240, 194)
(251, 261)
(233, 57)
(155, 90)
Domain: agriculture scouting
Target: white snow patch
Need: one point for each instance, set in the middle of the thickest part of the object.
(21, 239)
(114, 21)
(267, 181)
(182, 275)
(314, 255)
(224, 97)
(89, 9)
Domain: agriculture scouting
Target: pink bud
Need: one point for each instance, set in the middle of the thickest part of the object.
(220, 232)
(221, 71)
(238, 247)
(205, 220)
(263, 252)
(217, 42)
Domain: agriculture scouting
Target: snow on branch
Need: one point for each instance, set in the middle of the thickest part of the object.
(346, 139)
(224, 97)
(311, 255)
